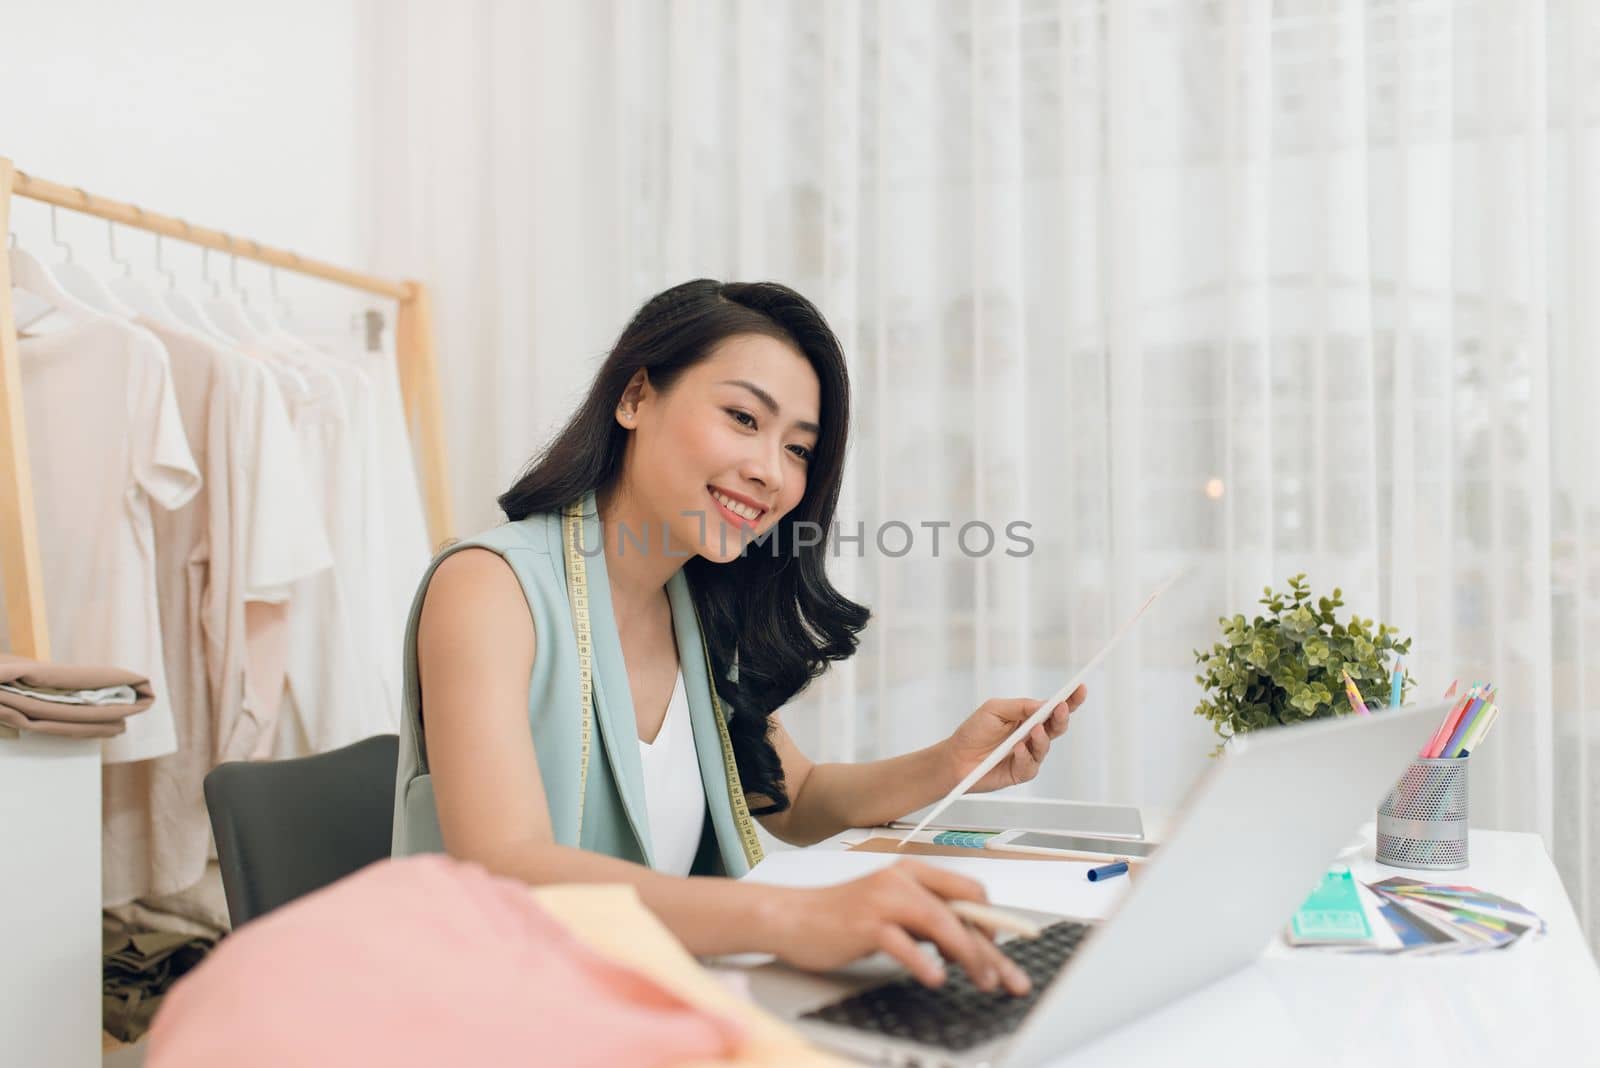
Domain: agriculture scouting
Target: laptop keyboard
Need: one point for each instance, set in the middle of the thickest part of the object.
(957, 1015)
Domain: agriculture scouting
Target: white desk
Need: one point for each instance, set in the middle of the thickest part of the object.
(1531, 1004)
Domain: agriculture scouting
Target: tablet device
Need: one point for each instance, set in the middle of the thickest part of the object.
(1046, 843)
(1035, 814)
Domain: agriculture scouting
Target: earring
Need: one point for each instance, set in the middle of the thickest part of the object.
(627, 416)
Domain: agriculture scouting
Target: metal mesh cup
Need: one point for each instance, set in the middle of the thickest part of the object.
(1423, 821)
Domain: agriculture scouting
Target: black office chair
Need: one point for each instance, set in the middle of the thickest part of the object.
(287, 827)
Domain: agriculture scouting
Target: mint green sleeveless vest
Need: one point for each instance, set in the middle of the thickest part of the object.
(613, 813)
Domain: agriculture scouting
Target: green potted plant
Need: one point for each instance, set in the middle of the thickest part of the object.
(1287, 666)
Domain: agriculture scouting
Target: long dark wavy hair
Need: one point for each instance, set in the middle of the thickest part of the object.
(771, 614)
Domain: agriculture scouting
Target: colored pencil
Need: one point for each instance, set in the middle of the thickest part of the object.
(1353, 695)
(993, 919)
(1463, 711)
(1480, 730)
(1468, 718)
(1448, 724)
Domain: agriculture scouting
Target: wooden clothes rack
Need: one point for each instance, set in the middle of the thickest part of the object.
(19, 534)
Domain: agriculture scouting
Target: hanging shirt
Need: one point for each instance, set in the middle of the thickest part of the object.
(106, 448)
(380, 536)
(333, 695)
(404, 550)
(381, 525)
(309, 400)
(250, 529)
(673, 792)
(364, 537)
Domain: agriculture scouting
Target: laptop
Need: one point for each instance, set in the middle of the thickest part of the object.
(1255, 835)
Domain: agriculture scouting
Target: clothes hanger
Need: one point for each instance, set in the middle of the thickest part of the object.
(292, 351)
(81, 282)
(225, 309)
(25, 307)
(280, 334)
(44, 296)
(137, 293)
(259, 318)
(278, 313)
(267, 325)
(233, 313)
(267, 321)
(275, 332)
(186, 310)
(229, 313)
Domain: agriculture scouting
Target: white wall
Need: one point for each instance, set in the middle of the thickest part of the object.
(236, 116)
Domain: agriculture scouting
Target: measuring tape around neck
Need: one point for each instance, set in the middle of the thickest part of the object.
(578, 600)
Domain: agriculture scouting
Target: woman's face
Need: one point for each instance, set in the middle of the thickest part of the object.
(722, 456)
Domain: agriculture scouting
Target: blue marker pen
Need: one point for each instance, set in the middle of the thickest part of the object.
(1108, 871)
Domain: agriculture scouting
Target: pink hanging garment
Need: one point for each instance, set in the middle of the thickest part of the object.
(424, 961)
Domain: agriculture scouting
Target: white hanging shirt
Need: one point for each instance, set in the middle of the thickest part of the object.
(106, 446)
(403, 551)
(346, 684)
(673, 792)
(331, 695)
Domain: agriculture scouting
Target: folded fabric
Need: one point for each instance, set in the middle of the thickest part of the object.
(73, 700)
(422, 962)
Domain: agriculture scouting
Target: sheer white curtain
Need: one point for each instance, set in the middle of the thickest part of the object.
(1258, 287)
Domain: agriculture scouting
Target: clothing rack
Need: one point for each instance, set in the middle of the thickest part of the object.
(19, 535)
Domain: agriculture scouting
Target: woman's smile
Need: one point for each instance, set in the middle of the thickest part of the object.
(737, 510)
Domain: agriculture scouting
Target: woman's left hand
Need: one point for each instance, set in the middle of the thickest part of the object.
(992, 723)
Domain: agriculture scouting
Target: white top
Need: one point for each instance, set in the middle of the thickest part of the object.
(324, 654)
(107, 448)
(399, 550)
(673, 791)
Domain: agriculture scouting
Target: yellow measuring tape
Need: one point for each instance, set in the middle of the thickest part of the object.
(578, 598)
(741, 810)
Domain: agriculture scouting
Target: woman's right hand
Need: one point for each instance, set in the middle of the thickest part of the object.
(890, 910)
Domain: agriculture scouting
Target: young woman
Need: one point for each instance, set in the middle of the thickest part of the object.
(593, 687)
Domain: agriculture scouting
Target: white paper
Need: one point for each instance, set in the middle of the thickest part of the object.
(1057, 886)
(1039, 715)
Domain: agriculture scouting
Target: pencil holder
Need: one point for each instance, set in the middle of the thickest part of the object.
(1423, 821)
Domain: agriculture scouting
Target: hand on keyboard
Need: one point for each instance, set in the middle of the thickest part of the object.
(957, 1016)
(890, 910)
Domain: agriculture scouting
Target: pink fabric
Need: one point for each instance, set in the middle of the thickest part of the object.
(424, 961)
